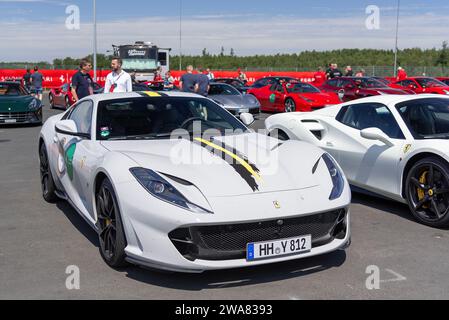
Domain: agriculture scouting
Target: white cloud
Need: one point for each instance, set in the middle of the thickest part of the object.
(249, 34)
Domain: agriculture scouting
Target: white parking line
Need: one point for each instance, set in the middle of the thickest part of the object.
(398, 276)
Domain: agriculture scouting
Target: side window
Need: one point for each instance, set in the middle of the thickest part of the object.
(370, 115)
(82, 116)
(333, 83)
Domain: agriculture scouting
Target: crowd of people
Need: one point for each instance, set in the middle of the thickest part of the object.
(193, 81)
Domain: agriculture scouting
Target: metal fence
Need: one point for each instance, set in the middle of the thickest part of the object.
(380, 71)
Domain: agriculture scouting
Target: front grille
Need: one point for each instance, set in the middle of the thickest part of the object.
(18, 116)
(221, 242)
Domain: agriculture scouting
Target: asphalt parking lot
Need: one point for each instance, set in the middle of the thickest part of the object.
(40, 240)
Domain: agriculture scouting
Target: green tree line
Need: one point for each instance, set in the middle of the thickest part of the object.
(306, 60)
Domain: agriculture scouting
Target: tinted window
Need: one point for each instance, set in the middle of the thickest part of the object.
(82, 115)
(151, 118)
(223, 89)
(12, 89)
(333, 83)
(301, 88)
(426, 118)
(370, 115)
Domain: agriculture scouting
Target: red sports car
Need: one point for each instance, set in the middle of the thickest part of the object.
(292, 96)
(62, 96)
(422, 85)
(444, 79)
(351, 88)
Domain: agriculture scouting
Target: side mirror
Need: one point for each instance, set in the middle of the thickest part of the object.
(68, 127)
(341, 94)
(376, 134)
(246, 118)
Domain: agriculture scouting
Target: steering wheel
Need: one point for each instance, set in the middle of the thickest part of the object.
(191, 119)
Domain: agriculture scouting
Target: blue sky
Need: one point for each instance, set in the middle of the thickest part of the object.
(35, 29)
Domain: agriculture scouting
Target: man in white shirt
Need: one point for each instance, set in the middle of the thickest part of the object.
(118, 80)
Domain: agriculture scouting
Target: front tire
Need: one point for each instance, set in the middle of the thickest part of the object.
(111, 234)
(47, 182)
(427, 192)
(51, 100)
(289, 105)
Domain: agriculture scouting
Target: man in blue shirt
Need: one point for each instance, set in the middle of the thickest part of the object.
(188, 80)
(82, 83)
(202, 83)
(36, 82)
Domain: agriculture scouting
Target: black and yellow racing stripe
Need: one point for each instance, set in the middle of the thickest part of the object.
(248, 171)
(152, 94)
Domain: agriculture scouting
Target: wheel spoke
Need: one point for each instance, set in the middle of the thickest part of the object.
(430, 176)
(441, 191)
(435, 208)
(421, 202)
(418, 184)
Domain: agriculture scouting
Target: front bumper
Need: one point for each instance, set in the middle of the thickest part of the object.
(160, 235)
(236, 111)
(12, 118)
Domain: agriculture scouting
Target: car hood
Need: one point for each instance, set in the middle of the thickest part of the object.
(246, 101)
(15, 103)
(386, 90)
(268, 165)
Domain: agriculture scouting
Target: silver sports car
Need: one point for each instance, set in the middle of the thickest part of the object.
(232, 100)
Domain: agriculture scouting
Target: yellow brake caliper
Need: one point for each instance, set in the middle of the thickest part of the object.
(422, 180)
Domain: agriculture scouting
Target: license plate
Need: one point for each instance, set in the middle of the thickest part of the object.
(281, 247)
(10, 120)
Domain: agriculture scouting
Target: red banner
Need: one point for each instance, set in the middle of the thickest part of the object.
(56, 78)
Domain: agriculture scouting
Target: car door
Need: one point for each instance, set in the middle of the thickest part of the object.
(369, 164)
(76, 159)
(276, 97)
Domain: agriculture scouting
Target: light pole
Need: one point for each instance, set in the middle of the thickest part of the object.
(180, 35)
(95, 40)
(396, 41)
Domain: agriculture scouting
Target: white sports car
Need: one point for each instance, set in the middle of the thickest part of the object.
(181, 201)
(393, 146)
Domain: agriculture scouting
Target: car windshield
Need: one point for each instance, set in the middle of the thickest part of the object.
(11, 89)
(430, 82)
(301, 88)
(223, 89)
(158, 117)
(369, 83)
(426, 118)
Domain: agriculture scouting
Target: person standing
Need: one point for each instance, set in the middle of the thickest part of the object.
(82, 83)
(328, 71)
(319, 76)
(27, 79)
(210, 75)
(188, 80)
(37, 80)
(401, 74)
(242, 76)
(118, 80)
(202, 83)
(169, 81)
(335, 72)
(348, 71)
(360, 73)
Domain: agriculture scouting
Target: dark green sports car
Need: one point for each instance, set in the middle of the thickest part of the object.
(17, 106)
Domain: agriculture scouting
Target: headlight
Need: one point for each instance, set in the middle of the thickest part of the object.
(446, 91)
(163, 190)
(34, 104)
(336, 176)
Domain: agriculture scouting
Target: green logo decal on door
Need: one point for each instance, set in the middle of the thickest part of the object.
(68, 157)
(272, 98)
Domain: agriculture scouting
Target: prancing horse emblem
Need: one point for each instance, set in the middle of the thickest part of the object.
(277, 205)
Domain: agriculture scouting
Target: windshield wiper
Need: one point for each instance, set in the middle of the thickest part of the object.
(141, 137)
